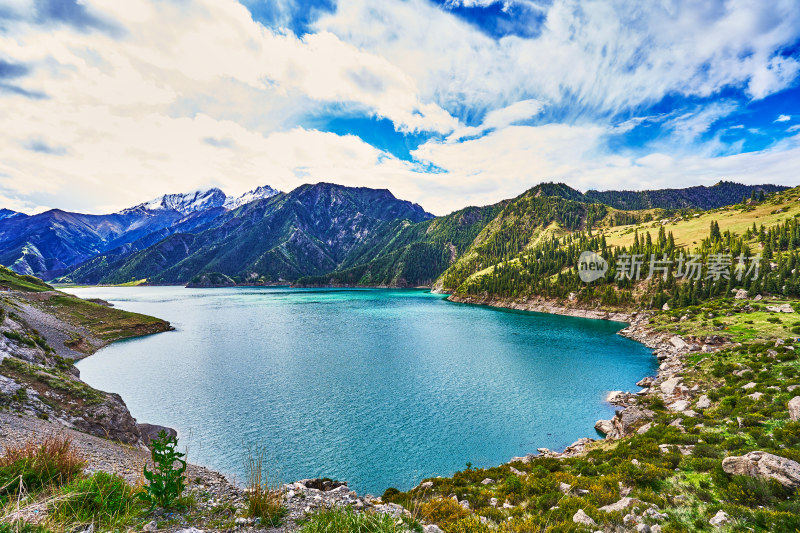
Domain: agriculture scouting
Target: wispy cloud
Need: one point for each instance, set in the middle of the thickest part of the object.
(783, 118)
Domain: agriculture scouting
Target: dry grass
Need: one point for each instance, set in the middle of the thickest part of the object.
(264, 499)
(39, 463)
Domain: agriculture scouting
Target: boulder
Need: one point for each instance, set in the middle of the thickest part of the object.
(582, 518)
(645, 382)
(680, 405)
(431, 528)
(794, 408)
(150, 432)
(678, 342)
(426, 485)
(783, 308)
(720, 519)
(749, 386)
(755, 396)
(625, 420)
(741, 294)
(621, 505)
(669, 386)
(765, 465)
(487, 481)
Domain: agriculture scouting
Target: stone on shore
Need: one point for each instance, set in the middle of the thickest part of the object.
(604, 426)
(766, 465)
(150, 432)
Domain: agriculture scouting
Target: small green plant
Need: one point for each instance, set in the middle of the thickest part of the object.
(101, 499)
(166, 483)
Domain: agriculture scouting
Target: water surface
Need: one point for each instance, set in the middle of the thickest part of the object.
(377, 387)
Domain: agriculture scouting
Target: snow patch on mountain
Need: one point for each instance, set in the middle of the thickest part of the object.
(264, 191)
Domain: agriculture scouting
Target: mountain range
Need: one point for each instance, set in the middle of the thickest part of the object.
(48, 244)
(319, 235)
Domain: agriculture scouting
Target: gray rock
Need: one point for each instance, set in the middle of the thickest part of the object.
(487, 481)
(150, 527)
(426, 485)
(621, 505)
(749, 386)
(464, 504)
(783, 308)
(563, 487)
(644, 429)
(680, 405)
(792, 388)
(431, 528)
(190, 530)
(655, 528)
(668, 387)
(741, 294)
(766, 465)
(643, 528)
(720, 519)
(703, 403)
(794, 408)
(604, 426)
(678, 343)
(582, 518)
(755, 396)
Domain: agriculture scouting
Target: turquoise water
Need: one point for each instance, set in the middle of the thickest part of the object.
(376, 387)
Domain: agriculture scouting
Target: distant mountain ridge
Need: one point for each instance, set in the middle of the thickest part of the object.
(720, 194)
(49, 244)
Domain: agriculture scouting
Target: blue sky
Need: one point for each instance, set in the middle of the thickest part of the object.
(445, 102)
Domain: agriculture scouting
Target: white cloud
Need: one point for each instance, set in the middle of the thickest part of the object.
(500, 118)
(603, 55)
(783, 118)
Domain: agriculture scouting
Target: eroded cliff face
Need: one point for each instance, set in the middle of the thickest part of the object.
(36, 380)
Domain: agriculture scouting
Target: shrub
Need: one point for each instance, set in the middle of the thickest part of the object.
(471, 524)
(165, 483)
(442, 511)
(34, 466)
(101, 499)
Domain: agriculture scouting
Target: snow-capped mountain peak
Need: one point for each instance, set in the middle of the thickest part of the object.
(184, 203)
(264, 191)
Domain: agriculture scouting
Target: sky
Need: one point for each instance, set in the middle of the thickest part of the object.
(105, 104)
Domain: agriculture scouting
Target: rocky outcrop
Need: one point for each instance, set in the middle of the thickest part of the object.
(150, 432)
(111, 420)
(720, 519)
(765, 465)
(582, 518)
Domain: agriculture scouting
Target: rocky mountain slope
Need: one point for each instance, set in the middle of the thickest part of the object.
(42, 333)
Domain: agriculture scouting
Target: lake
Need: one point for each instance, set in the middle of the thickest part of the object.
(376, 387)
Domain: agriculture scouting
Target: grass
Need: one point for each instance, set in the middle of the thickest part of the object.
(345, 520)
(107, 323)
(10, 280)
(264, 500)
(102, 499)
(691, 231)
(35, 466)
